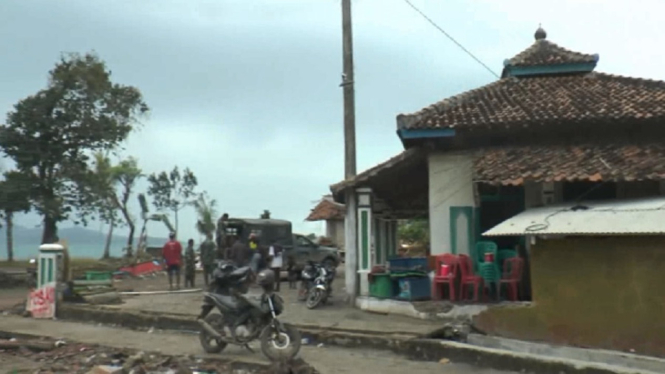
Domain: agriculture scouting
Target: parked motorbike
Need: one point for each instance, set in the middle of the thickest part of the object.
(243, 318)
(307, 276)
(319, 286)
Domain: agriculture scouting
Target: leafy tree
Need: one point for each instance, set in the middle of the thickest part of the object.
(14, 198)
(414, 231)
(172, 191)
(206, 211)
(113, 186)
(265, 214)
(51, 134)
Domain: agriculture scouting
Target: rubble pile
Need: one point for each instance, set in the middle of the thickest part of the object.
(60, 357)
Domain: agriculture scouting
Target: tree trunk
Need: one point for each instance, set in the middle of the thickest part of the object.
(132, 229)
(176, 224)
(9, 219)
(50, 233)
(109, 237)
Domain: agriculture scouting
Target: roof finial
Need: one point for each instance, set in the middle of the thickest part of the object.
(540, 33)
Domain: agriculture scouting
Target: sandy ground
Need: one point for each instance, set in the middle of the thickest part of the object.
(328, 360)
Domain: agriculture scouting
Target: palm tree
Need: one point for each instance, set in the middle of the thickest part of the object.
(206, 211)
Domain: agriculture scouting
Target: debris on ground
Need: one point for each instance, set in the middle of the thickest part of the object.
(42, 356)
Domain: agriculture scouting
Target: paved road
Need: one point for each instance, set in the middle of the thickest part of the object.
(328, 360)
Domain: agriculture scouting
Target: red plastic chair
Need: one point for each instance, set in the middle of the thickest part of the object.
(468, 278)
(440, 281)
(512, 277)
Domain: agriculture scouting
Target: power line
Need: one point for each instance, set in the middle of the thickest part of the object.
(451, 38)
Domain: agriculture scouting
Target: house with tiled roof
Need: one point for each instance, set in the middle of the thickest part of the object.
(333, 214)
(552, 130)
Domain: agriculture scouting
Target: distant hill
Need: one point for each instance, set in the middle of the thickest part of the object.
(82, 242)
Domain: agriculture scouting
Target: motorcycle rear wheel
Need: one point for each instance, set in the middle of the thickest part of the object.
(284, 346)
(314, 298)
(209, 343)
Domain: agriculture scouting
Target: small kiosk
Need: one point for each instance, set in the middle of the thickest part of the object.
(42, 301)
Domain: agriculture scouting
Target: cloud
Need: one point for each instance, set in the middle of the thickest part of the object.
(246, 93)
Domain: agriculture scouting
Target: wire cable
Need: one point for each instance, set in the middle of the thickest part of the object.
(452, 39)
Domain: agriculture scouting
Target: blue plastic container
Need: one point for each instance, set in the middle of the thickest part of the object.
(414, 288)
(408, 263)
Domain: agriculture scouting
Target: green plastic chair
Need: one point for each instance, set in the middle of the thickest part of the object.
(481, 249)
(491, 275)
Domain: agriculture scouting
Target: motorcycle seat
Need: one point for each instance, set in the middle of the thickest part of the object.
(240, 272)
(225, 300)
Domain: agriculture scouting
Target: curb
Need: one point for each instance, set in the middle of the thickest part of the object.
(411, 347)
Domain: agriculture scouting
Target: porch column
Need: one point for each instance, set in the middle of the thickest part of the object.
(391, 239)
(365, 237)
(381, 241)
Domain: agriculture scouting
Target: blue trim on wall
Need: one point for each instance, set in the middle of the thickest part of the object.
(521, 71)
(425, 133)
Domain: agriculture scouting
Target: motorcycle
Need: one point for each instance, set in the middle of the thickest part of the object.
(242, 318)
(320, 288)
(307, 276)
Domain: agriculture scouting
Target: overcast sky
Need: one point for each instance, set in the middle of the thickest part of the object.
(245, 92)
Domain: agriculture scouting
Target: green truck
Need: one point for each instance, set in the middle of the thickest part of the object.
(276, 231)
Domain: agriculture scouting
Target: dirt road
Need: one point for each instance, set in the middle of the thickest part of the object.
(328, 360)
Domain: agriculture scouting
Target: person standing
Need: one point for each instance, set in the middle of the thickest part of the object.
(208, 255)
(190, 264)
(256, 255)
(172, 253)
(276, 263)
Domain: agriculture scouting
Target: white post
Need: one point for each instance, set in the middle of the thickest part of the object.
(365, 237)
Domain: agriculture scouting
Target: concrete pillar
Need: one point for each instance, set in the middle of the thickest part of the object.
(365, 237)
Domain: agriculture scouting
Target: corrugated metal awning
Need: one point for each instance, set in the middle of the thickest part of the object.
(616, 217)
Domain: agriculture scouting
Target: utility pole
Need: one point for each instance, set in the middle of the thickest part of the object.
(351, 227)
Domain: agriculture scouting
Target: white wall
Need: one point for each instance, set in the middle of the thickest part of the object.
(335, 231)
(450, 185)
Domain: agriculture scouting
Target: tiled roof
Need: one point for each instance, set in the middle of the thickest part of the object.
(545, 100)
(327, 210)
(544, 52)
(403, 158)
(515, 165)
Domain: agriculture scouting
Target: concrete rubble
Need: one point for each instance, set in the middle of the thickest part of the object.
(22, 354)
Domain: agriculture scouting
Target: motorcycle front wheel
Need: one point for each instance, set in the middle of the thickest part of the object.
(209, 343)
(314, 298)
(280, 342)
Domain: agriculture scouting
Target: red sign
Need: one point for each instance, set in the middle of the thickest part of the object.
(41, 302)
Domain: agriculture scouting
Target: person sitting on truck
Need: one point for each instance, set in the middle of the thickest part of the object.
(172, 253)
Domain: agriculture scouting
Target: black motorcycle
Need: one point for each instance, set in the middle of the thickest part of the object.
(316, 286)
(307, 276)
(244, 318)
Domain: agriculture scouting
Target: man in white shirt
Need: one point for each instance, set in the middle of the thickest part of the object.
(276, 262)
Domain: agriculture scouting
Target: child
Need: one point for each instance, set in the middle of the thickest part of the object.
(190, 264)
